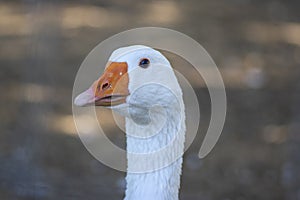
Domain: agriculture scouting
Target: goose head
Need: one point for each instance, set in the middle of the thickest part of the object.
(140, 84)
(138, 77)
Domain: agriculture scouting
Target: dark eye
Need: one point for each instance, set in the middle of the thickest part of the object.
(144, 63)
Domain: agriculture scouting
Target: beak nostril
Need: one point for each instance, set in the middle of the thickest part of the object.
(105, 86)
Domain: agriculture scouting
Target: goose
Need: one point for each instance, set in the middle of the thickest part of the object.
(139, 83)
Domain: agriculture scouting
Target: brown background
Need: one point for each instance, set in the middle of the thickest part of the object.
(256, 45)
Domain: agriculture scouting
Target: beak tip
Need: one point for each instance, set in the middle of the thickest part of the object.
(84, 98)
(78, 102)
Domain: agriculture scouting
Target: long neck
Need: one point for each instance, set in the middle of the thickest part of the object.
(158, 175)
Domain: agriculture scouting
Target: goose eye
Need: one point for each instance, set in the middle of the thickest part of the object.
(144, 63)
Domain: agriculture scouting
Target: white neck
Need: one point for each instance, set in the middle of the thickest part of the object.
(164, 182)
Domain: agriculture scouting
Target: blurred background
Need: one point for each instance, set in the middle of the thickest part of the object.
(255, 44)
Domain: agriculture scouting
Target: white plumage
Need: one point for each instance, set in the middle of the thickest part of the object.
(155, 120)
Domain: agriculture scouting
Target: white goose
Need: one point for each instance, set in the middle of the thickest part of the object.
(139, 83)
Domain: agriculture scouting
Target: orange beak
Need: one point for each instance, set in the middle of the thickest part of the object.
(109, 90)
